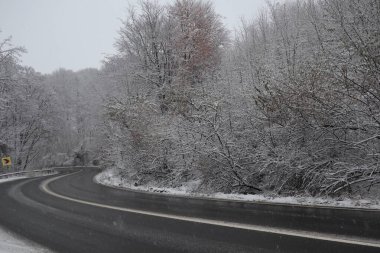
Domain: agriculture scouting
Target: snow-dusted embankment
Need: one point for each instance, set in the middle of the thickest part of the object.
(3, 180)
(112, 178)
(10, 243)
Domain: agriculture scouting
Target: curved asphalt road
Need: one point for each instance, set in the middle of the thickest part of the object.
(73, 214)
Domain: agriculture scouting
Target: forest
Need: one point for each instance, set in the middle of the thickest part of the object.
(288, 103)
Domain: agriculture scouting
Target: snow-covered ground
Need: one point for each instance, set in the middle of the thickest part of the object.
(112, 178)
(3, 180)
(11, 243)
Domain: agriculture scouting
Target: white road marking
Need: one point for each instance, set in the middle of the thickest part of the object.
(281, 231)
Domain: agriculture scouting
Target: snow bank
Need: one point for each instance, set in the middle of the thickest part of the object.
(10, 243)
(112, 178)
(29, 174)
(3, 180)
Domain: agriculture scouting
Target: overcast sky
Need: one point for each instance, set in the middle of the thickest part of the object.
(77, 34)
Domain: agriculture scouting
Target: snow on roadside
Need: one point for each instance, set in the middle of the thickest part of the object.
(10, 243)
(112, 178)
(3, 180)
(12, 178)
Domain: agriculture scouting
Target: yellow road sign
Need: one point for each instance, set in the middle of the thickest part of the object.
(6, 161)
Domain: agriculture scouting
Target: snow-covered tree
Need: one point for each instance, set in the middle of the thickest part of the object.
(24, 109)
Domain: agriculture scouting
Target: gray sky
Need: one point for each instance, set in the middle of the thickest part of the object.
(76, 34)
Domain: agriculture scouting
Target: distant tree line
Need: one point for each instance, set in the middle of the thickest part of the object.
(47, 120)
(24, 109)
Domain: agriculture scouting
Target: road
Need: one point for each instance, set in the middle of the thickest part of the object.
(71, 213)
